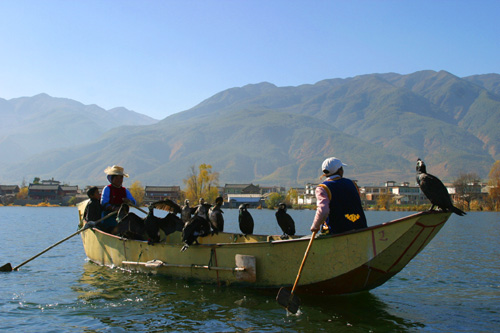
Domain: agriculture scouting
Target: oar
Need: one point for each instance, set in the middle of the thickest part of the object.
(8, 267)
(288, 299)
(131, 204)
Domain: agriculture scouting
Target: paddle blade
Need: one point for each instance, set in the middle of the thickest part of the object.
(6, 268)
(290, 301)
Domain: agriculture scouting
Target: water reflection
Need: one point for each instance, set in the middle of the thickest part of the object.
(133, 301)
(362, 311)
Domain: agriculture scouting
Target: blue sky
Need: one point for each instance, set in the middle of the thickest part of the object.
(161, 57)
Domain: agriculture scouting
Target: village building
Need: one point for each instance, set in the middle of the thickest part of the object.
(468, 192)
(307, 196)
(300, 191)
(50, 182)
(9, 189)
(69, 190)
(156, 193)
(272, 189)
(404, 194)
(51, 189)
(254, 195)
(44, 192)
(8, 194)
(241, 189)
(254, 200)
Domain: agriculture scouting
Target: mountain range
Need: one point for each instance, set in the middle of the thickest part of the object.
(378, 124)
(31, 125)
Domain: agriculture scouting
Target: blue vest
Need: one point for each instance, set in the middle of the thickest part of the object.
(346, 211)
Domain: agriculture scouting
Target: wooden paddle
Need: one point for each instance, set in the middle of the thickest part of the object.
(8, 267)
(131, 204)
(288, 299)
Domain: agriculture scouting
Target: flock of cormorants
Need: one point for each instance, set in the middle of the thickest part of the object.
(198, 221)
(205, 219)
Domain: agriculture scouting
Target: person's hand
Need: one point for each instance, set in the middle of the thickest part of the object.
(89, 224)
(127, 201)
(314, 229)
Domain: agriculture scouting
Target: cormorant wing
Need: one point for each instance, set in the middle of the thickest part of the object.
(167, 205)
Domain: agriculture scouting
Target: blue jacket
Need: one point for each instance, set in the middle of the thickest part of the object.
(346, 211)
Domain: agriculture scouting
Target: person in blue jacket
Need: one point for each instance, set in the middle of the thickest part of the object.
(113, 196)
(338, 202)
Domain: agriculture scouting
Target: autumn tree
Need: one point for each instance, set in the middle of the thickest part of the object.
(23, 193)
(291, 196)
(468, 187)
(202, 183)
(273, 200)
(494, 183)
(137, 191)
(384, 201)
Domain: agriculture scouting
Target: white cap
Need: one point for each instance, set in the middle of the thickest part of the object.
(331, 165)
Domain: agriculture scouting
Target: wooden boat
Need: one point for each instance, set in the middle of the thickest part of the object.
(337, 264)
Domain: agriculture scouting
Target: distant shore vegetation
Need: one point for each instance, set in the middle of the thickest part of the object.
(202, 182)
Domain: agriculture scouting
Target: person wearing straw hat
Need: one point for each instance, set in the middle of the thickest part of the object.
(338, 202)
(114, 195)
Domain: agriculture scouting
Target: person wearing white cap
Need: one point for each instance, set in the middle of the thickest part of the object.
(338, 202)
(114, 195)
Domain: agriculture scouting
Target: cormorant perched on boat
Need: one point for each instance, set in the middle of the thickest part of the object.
(435, 190)
(245, 220)
(129, 224)
(197, 226)
(285, 221)
(186, 212)
(215, 215)
(168, 224)
(202, 209)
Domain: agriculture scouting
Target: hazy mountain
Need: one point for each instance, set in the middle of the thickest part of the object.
(379, 124)
(35, 124)
(491, 82)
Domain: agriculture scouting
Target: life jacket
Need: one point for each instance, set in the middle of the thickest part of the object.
(116, 195)
(346, 211)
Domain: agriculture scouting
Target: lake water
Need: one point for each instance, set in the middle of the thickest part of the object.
(452, 286)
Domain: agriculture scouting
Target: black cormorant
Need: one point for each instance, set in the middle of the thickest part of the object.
(435, 190)
(129, 224)
(245, 220)
(215, 215)
(285, 221)
(186, 212)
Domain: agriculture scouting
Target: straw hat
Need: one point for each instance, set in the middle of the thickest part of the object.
(115, 170)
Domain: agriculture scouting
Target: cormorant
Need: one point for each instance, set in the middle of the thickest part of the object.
(245, 220)
(167, 205)
(168, 224)
(435, 190)
(285, 221)
(215, 214)
(129, 224)
(194, 228)
(202, 209)
(186, 212)
(197, 226)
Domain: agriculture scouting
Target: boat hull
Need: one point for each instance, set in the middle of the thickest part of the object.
(337, 264)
